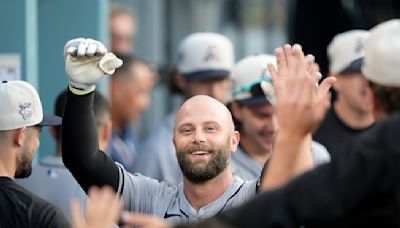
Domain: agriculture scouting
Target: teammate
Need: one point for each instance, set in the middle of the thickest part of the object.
(20, 124)
(122, 26)
(130, 89)
(50, 179)
(204, 63)
(351, 113)
(255, 120)
(204, 138)
(360, 188)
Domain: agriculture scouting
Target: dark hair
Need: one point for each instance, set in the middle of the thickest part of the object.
(237, 124)
(388, 96)
(101, 108)
(126, 69)
(122, 8)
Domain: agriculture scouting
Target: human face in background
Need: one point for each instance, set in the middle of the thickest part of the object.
(354, 92)
(258, 126)
(216, 88)
(132, 97)
(122, 29)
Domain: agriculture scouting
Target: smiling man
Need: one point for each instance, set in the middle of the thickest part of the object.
(255, 118)
(204, 137)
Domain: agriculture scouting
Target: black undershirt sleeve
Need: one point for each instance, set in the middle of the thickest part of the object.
(80, 146)
(356, 189)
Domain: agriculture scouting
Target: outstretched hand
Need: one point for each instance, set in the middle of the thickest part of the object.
(102, 211)
(300, 103)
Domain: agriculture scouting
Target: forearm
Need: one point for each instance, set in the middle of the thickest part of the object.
(81, 154)
(291, 156)
(304, 161)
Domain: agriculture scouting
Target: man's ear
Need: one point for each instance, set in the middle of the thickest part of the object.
(180, 82)
(235, 141)
(337, 84)
(53, 131)
(19, 136)
(106, 132)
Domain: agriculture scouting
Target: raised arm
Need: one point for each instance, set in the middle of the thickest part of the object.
(357, 189)
(300, 106)
(87, 61)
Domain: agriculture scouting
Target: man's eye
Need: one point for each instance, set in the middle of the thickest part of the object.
(211, 128)
(187, 130)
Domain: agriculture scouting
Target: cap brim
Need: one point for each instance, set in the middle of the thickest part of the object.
(354, 67)
(253, 101)
(208, 74)
(50, 120)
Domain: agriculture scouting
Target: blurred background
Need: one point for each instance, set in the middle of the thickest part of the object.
(35, 31)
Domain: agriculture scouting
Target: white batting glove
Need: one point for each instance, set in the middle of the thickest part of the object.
(86, 62)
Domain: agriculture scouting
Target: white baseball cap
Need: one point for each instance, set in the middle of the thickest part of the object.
(246, 76)
(382, 61)
(205, 55)
(346, 50)
(21, 107)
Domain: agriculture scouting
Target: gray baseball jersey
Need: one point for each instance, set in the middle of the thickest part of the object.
(146, 195)
(247, 168)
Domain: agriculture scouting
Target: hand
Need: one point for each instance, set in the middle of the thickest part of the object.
(102, 211)
(86, 62)
(300, 104)
(143, 221)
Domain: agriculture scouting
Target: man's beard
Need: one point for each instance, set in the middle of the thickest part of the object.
(201, 170)
(24, 168)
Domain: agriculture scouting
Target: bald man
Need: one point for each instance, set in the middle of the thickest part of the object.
(204, 138)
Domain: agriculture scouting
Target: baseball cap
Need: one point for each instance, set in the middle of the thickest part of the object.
(346, 52)
(21, 107)
(247, 75)
(205, 56)
(382, 48)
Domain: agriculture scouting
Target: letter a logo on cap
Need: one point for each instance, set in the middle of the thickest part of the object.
(211, 54)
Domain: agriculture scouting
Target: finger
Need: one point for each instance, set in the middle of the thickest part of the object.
(109, 63)
(112, 202)
(91, 50)
(300, 62)
(82, 48)
(289, 59)
(100, 48)
(281, 62)
(325, 86)
(72, 51)
(310, 59)
(77, 217)
(272, 71)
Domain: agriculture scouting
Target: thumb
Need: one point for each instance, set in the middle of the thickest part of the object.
(325, 85)
(109, 63)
